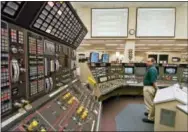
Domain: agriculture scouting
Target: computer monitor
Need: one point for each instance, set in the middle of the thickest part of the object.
(129, 70)
(140, 71)
(170, 70)
(105, 58)
(94, 57)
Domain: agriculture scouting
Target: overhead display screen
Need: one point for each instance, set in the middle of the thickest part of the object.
(105, 58)
(109, 22)
(94, 57)
(156, 22)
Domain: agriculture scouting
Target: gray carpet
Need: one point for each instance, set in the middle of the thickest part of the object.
(130, 119)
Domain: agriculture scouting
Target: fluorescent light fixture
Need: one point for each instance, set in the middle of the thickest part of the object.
(120, 48)
(181, 44)
(155, 45)
(100, 48)
(179, 48)
(168, 44)
(111, 44)
(143, 48)
(141, 44)
(117, 54)
(85, 45)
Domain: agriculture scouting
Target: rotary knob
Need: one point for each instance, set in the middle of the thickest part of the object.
(14, 50)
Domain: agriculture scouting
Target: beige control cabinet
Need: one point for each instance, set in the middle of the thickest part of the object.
(166, 112)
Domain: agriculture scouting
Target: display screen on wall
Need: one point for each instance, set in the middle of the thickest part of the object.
(94, 57)
(105, 58)
(109, 22)
(156, 22)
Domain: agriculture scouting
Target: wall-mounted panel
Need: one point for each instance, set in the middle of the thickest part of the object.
(109, 22)
(156, 22)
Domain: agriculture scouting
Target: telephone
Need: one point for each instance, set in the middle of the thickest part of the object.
(47, 82)
(15, 71)
(52, 68)
(51, 83)
(46, 66)
(57, 65)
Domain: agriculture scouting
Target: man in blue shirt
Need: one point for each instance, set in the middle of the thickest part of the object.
(150, 88)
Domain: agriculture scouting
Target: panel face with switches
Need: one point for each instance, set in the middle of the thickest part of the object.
(18, 64)
(75, 109)
(36, 65)
(6, 103)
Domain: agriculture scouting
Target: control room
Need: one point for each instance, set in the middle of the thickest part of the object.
(94, 66)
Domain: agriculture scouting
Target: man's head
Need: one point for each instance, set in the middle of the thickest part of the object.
(150, 61)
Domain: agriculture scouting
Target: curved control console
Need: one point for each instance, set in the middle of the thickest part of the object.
(74, 109)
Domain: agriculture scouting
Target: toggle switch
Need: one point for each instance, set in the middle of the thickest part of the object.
(66, 96)
(71, 100)
(79, 109)
(84, 114)
(42, 129)
(33, 125)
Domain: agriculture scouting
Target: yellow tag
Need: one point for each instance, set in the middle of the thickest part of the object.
(91, 81)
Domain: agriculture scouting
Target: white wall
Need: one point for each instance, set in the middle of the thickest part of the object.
(142, 56)
(181, 20)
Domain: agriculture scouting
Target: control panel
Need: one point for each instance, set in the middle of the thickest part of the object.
(37, 53)
(129, 73)
(115, 71)
(49, 64)
(100, 71)
(18, 66)
(183, 73)
(75, 109)
(6, 98)
(170, 72)
(36, 65)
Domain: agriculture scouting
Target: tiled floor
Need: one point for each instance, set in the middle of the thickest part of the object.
(112, 107)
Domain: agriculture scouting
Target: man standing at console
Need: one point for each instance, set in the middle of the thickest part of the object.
(150, 88)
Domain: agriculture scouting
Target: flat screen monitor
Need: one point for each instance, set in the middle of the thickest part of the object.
(129, 70)
(140, 71)
(94, 57)
(170, 70)
(105, 58)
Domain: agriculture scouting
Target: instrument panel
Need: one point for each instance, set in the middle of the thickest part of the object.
(74, 109)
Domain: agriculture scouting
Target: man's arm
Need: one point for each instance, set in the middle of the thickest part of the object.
(153, 78)
(155, 85)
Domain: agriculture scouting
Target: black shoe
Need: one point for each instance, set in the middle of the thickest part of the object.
(146, 113)
(147, 120)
